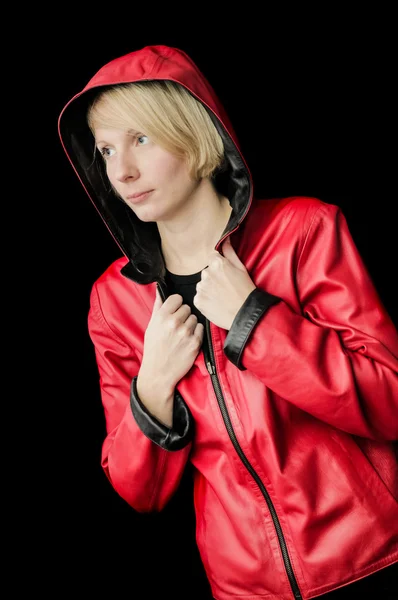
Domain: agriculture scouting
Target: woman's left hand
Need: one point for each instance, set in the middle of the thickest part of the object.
(224, 287)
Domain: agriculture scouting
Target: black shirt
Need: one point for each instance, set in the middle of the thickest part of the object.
(185, 285)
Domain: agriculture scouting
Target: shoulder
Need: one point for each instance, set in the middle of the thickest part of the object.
(113, 295)
(112, 273)
(293, 216)
(299, 207)
(112, 284)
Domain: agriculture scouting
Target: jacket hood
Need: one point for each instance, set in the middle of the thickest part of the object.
(138, 240)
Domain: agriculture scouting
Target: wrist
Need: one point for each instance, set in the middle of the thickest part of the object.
(155, 384)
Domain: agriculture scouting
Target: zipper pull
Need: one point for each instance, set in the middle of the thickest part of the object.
(210, 368)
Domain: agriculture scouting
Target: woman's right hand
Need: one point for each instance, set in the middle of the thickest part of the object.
(172, 341)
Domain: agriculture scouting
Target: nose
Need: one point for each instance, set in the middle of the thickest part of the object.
(126, 167)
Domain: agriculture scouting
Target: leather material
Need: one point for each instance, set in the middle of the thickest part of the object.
(254, 307)
(170, 439)
(300, 445)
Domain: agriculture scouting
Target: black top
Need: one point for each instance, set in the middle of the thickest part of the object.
(185, 285)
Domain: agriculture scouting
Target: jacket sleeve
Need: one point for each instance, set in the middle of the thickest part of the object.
(143, 459)
(337, 360)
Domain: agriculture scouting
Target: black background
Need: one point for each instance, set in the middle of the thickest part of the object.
(312, 109)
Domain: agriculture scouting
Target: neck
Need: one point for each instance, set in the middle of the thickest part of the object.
(192, 235)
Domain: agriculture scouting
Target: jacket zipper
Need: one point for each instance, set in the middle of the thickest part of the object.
(210, 364)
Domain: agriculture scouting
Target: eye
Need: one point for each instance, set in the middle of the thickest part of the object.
(106, 152)
(144, 138)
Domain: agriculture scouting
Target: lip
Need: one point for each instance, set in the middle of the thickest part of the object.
(139, 196)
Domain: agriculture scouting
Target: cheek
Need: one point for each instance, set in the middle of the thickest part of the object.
(169, 169)
(111, 176)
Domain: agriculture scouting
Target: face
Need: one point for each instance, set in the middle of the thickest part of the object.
(153, 182)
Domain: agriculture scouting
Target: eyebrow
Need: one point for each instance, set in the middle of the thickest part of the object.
(129, 132)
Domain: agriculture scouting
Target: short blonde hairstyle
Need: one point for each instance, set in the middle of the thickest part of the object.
(169, 114)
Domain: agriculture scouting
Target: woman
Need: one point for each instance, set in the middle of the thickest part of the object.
(243, 335)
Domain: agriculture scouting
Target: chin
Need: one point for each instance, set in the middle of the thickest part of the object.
(146, 214)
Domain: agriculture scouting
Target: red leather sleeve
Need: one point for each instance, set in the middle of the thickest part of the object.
(141, 472)
(338, 359)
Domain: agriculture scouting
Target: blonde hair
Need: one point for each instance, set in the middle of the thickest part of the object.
(169, 114)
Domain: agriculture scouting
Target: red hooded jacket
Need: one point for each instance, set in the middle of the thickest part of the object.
(289, 418)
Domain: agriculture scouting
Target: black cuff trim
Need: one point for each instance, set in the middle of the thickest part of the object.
(172, 439)
(255, 305)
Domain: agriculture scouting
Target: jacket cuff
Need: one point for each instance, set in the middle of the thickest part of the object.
(171, 439)
(255, 305)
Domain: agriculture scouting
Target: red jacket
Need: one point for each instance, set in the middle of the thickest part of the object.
(290, 417)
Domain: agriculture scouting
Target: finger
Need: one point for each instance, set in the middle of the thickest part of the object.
(230, 254)
(199, 331)
(158, 301)
(173, 303)
(191, 322)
